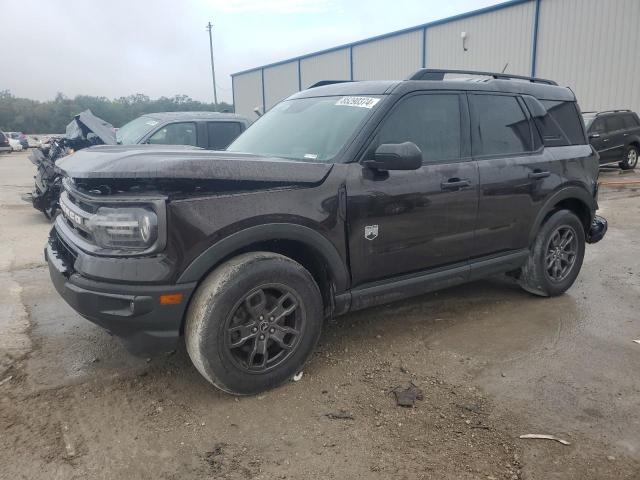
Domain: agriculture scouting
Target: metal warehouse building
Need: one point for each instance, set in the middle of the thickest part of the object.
(590, 45)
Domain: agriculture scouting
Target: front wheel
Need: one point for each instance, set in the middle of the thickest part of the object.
(556, 257)
(253, 322)
(630, 160)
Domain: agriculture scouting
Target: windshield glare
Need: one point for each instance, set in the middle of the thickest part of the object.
(306, 129)
(131, 132)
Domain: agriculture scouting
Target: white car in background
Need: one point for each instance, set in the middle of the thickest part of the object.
(16, 146)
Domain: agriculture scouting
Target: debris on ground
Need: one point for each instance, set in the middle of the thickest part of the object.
(407, 397)
(5, 380)
(637, 341)
(297, 376)
(70, 451)
(340, 415)
(545, 437)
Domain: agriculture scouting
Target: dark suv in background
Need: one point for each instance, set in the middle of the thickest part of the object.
(615, 134)
(339, 198)
(210, 130)
(5, 147)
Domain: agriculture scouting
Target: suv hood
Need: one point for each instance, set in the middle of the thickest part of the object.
(180, 162)
(86, 123)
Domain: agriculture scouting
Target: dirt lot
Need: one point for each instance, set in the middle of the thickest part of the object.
(492, 361)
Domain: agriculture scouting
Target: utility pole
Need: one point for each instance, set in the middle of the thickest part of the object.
(213, 72)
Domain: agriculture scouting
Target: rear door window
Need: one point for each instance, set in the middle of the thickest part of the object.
(221, 134)
(500, 126)
(432, 122)
(183, 133)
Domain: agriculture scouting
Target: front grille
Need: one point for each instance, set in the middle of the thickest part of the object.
(63, 251)
(76, 213)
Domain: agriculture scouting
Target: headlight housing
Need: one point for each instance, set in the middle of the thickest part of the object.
(124, 228)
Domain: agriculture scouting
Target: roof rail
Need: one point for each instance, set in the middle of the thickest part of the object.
(612, 111)
(438, 74)
(322, 83)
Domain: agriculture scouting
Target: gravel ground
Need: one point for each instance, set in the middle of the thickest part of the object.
(492, 363)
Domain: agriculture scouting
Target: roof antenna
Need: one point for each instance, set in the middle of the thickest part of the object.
(505, 67)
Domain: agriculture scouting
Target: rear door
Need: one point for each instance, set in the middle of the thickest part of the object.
(516, 173)
(631, 128)
(409, 221)
(615, 128)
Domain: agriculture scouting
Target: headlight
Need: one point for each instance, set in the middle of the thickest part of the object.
(124, 228)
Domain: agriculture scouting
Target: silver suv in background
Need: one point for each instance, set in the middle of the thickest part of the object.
(209, 130)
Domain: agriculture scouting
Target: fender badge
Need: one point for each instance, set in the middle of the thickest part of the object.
(370, 232)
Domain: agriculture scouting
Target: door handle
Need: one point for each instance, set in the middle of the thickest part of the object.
(536, 175)
(455, 184)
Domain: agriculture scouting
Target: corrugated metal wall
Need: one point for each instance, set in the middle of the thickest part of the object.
(327, 66)
(280, 82)
(594, 47)
(402, 56)
(590, 45)
(493, 39)
(247, 93)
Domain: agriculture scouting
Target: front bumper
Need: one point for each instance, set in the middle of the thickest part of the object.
(131, 312)
(598, 229)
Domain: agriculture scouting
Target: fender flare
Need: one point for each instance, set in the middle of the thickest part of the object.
(260, 233)
(568, 193)
(635, 139)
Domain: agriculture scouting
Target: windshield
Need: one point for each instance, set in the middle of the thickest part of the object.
(131, 132)
(306, 129)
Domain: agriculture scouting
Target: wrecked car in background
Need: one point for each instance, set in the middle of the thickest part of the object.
(84, 131)
(209, 130)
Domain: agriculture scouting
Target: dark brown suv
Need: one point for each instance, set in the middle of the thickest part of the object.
(341, 197)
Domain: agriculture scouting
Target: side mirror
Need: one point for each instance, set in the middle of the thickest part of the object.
(594, 135)
(396, 156)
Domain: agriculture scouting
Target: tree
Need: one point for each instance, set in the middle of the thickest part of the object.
(31, 116)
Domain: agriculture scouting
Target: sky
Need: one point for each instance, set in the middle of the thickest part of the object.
(116, 48)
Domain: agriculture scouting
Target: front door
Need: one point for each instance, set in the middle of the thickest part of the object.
(409, 221)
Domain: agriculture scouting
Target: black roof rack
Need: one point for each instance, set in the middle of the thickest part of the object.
(438, 74)
(611, 111)
(322, 83)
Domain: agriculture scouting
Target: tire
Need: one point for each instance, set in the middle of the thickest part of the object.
(229, 316)
(548, 249)
(630, 160)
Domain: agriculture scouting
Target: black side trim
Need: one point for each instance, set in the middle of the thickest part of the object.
(377, 293)
(260, 233)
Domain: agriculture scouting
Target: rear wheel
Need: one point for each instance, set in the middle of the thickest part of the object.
(556, 257)
(630, 160)
(253, 322)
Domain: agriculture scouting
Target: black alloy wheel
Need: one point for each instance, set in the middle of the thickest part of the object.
(264, 328)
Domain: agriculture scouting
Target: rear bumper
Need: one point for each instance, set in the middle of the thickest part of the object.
(598, 229)
(131, 312)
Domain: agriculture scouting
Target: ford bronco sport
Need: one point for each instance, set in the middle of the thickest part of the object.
(341, 197)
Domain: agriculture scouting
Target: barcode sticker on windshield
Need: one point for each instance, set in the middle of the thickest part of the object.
(362, 102)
